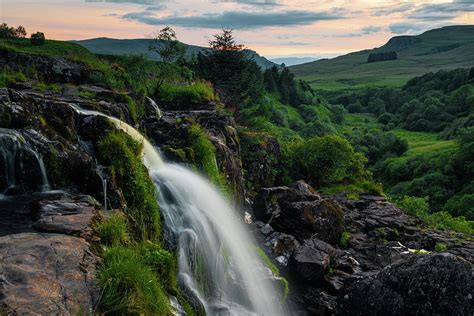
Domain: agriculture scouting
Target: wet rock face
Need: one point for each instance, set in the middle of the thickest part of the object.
(46, 274)
(440, 284)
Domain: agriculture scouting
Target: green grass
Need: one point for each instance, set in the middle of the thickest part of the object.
(53, 48)
(113, 231)
(8, 77)
(351, 71)
(440, 247)
(358, 121)
(424, 142)
(122, 155)
(186, 94)
(205, 155)
(129, 286)
(43, 87)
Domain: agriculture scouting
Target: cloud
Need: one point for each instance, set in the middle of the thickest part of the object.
(442, 11)
(237, 19)
(363, 31)
(392, 9)
(142, 2)
(402, 28)
(252, 2)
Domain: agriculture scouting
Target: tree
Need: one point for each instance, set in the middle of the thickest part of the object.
(225, 42)
(37, 39)
(11, 32)
(237, 77)
(166, 44)
(20, 32)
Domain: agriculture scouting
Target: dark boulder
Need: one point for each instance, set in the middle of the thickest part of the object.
(311, 260)
(300, 212)
(439, 284)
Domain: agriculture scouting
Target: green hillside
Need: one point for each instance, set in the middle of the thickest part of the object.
(445, 48)
(111, 46)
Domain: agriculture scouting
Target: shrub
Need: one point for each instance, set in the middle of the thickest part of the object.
(419, 207)
(440, 247)
(328, 160)
(128, 286)
(123, 155)
(113, 231)
(345, 237)
(414, 205)
(37, 39)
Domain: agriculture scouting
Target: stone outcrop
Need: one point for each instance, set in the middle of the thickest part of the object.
(362, 257)
(49, 269)
(46, 274)
(437, 284)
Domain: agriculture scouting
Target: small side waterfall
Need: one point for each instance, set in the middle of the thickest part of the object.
(12, 145)
(217, 262)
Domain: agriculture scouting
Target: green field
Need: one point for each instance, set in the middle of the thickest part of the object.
(445, 48)
(418, 142)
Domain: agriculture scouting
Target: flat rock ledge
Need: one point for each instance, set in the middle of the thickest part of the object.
(51, 271)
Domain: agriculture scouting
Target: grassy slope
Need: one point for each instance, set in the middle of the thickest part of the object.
(418, 142)
(352, 71)
(54, 49)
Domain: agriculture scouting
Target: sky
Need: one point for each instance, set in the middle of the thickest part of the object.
(274, 28)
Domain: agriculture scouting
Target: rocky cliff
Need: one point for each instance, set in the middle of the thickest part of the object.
(341, 256)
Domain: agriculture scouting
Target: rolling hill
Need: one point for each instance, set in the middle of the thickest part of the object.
(444, 48)
(111, 46)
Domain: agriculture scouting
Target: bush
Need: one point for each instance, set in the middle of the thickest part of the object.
(328, 160)
(113, 231)
(123, 155)
(345, 237)
(414, 205)
(440, 247)
(37, 39)
(128, 286)
(419, 207)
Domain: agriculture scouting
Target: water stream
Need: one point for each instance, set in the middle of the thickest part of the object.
(12, 145)
(217, 261)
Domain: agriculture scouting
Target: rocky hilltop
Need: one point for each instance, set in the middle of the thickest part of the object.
(340, 256)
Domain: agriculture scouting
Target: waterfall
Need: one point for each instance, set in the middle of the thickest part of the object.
(12, 143)
(217, 262)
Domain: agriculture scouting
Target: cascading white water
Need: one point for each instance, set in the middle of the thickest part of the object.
(217, 261)
(11, 144)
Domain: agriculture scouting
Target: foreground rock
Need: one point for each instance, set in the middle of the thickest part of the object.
(360, 257)
(440, 284)
(64, 214)
(46, 274)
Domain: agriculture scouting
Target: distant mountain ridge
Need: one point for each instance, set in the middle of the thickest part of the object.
(111, 46)
(292, 61)
(447, 48)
